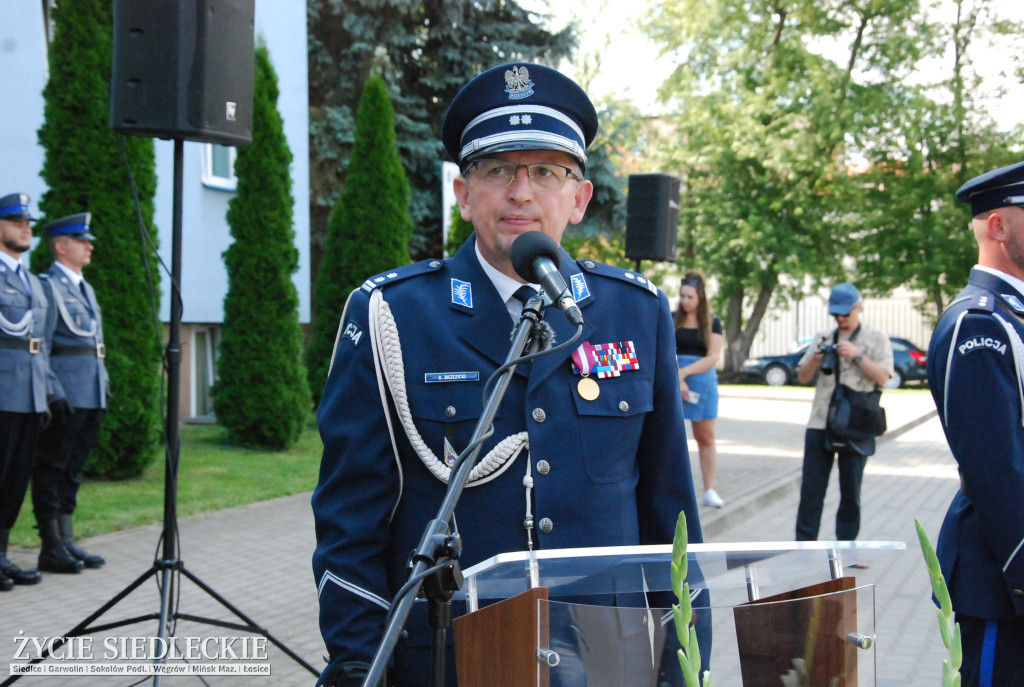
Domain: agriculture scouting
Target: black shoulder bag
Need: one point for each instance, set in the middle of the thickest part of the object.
(854, 416)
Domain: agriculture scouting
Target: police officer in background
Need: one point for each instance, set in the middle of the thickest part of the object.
(76, 357)
(583, 453)
(27, 385)
(976, 375)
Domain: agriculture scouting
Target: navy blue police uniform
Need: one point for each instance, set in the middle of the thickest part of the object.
(77, 357)
(27, 384)
(414, 350)
(976, 376)
(609, 472)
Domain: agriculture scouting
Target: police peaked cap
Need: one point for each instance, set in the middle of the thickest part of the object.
(14, 206)
(519, 106)
(76, 226)
(996, 189)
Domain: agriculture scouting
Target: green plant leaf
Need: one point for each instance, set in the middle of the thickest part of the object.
(681, 624)
(956, 653)
(679, 562)
(944, 629)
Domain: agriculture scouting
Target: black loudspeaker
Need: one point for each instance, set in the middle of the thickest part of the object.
(183, 69)
(652, 217)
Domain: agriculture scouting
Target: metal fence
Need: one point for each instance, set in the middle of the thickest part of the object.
(785, 330)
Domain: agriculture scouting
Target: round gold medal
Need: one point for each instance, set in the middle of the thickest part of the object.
(588, 389)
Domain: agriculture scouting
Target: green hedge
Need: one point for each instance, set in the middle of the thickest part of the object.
(261, 396)
(84, 171)
(370, 227)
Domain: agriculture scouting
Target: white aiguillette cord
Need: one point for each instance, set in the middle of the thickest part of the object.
(387, 351)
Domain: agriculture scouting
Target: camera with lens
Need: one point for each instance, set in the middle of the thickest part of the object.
(830, 352)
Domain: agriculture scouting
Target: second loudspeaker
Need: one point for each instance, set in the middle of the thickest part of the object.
(652, 217)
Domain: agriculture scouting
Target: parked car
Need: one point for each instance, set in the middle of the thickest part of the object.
(779, 370)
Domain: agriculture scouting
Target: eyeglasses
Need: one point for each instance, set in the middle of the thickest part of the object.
(546, 176)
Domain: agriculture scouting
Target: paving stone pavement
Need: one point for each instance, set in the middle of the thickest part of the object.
(257, 557)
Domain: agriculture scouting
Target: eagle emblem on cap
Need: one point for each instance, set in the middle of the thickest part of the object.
(517, 83)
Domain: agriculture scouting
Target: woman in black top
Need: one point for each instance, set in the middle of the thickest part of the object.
(699, 343)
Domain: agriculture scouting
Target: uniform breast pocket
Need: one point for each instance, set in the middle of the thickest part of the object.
(445, 410)
(78, 313)
(13, 304)
(611, 424)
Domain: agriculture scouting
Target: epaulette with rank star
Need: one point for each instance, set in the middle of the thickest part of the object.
(400, 273)
(628, 276)
(984, 301)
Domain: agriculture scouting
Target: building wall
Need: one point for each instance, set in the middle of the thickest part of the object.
(205, 234)
(24, 69)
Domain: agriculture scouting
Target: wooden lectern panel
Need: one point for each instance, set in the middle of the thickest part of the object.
(812, 625)
(497, 645)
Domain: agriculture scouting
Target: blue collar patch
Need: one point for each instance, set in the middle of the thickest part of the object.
(1013, 302)
(580, 290)
(462, 293)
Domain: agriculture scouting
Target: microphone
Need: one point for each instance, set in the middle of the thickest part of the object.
(535, 258)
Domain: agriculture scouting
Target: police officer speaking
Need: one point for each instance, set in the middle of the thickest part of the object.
(28, 386)
(76, 356)
(589, 446)
(976, 375)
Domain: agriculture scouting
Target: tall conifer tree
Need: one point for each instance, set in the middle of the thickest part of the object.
(261, 396)
(370, 227)
(84, 171)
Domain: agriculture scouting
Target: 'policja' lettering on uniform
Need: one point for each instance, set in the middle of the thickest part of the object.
(978, 343)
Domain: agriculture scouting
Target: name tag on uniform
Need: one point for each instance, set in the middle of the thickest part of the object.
(432, 377)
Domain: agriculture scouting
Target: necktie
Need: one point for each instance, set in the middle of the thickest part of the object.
(524, 293)
(85, 295)
(24, 279)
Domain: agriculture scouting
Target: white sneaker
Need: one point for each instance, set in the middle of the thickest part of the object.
(711, 498)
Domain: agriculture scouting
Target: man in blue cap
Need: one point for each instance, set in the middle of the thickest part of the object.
(580, 455)
(976, 376)
(27, 385)
(77, 358)
(859, 357)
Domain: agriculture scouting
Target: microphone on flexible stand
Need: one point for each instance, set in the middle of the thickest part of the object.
(535, 258)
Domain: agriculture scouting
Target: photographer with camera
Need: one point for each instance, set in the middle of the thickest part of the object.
(861, 357)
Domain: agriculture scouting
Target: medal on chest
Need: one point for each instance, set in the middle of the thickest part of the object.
(600, 361)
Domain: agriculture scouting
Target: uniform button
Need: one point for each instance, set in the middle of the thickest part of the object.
(589, 264)
(623, 406)
(543, 467)
(449, 411)
(546, 525)
(435, 263)
(1018, 592)
(539, 415)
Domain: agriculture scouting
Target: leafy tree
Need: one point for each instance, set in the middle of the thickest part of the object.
(923, 143)
(764, 124)
(370, 227)
(261, 396)
(84, 171)
(433, 48)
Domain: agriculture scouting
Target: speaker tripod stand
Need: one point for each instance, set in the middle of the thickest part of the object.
(168, 566)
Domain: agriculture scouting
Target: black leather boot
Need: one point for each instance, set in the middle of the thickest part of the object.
(67, 535)
(10, 574)
(54, 557)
